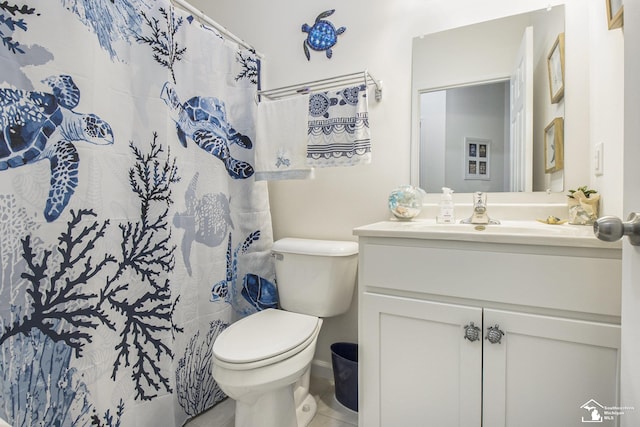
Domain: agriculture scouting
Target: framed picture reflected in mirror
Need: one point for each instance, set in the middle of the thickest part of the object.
(555, 65)
(477, 158)
(615, 13)
(554, 146)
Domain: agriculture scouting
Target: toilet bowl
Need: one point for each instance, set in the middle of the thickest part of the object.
(263, 360)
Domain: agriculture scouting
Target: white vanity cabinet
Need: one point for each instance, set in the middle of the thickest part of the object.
(555, 309)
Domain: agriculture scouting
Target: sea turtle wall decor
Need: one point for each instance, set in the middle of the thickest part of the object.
(36, 126)
(322, 35)
(204, 120)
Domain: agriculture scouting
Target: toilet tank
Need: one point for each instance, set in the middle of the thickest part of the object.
(315, 277)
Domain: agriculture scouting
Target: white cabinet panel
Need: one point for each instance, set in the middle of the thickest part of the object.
(539, 280)
(552, 364)
(417, 367)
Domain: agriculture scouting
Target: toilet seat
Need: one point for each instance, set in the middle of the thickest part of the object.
(264, 338)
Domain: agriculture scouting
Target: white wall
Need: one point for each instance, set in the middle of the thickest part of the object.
(378, 38)
(607, 111)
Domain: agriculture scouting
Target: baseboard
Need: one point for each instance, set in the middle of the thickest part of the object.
(322, 369)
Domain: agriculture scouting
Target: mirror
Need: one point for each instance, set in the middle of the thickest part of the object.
(479, 114)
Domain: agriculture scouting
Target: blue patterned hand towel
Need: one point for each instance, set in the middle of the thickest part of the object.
(281, 135)
(339, 128)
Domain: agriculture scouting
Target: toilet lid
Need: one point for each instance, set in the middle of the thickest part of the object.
(263, 335)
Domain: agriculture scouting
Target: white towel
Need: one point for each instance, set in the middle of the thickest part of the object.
(339, 128)
(281, 139)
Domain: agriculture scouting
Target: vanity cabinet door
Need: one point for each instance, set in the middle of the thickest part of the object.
(416, 367)
(545, 368)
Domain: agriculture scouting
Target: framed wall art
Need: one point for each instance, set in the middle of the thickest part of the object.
(554, 146)
(477, 158)
(555, 65)
(615, 11)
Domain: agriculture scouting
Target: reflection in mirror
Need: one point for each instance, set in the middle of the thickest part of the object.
(485, 86)
(477, 116)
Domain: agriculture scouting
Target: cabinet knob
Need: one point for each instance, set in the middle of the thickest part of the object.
(611, 228)
(471, 332)
(494, 334)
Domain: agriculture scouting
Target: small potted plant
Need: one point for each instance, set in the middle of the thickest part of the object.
(583, 205)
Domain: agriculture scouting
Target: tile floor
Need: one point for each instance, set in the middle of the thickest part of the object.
(330, 412)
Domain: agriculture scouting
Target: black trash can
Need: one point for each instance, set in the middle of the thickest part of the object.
(344, 358)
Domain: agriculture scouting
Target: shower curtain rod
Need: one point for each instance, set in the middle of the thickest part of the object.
(226, 33)
(323, 84)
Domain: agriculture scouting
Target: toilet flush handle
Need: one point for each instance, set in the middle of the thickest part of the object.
(611, 228)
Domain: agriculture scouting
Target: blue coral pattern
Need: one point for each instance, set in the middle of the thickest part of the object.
(130, 233)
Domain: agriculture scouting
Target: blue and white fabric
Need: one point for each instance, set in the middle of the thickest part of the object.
(338, 130)
(132, 230)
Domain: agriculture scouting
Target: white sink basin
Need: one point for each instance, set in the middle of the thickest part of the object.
(520, 232)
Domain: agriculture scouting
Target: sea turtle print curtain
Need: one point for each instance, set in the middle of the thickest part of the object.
(132, 231)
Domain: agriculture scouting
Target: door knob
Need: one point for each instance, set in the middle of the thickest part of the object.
(611, 228)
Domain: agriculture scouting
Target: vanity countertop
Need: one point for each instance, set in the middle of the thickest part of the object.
(507, 232)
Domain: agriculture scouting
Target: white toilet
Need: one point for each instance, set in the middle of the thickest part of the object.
(263, 361)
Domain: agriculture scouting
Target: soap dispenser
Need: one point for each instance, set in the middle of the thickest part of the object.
(446, 214)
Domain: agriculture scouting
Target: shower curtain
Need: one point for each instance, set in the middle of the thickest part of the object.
(132, 231)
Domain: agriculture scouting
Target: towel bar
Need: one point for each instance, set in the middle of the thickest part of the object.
(324, 84)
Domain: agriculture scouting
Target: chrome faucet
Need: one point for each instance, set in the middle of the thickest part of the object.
(479, 215)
